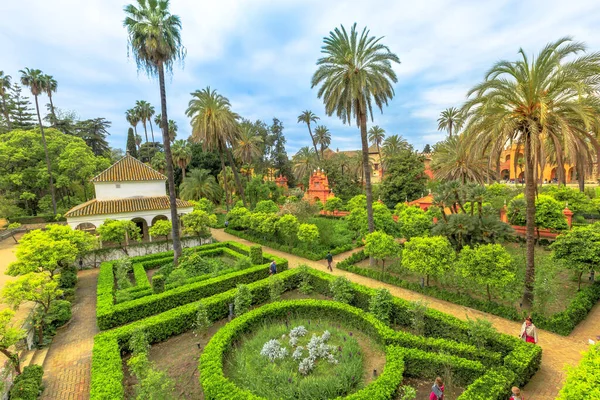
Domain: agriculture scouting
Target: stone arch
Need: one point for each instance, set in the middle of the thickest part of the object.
(159, 218)
(317, 199)
(572, 175)
(87, 227)
(505, 174)
(507, 158)
(143, 225)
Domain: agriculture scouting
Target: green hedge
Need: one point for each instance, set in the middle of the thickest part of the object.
(562, 323)
(28, 385)
(311, 255)
(110, 315)
(521, 357)
(583, 381)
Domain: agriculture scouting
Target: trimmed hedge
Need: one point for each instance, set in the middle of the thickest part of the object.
(521, 357)
(291, 249)
(583, 381)
(562, 323)
(110, 315)
(28, 385)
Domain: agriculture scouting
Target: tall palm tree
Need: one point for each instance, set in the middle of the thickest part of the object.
(182, 155)
(5, 85)
(392, 145)
(355, 72)
(307, 117)
(453, 159)
(215, 125)
(50, 86)
(248, 146)
(155, 40)
(376, 136)
(34, 79)
(322, 137)
(304, 161)
(142, 109)
(450, 120)
(200, 184)
(172, 127)
(138, 142)
(549, 100)
(134, 119)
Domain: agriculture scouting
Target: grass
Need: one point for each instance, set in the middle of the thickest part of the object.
(281, 379)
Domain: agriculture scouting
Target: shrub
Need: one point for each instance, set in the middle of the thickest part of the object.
(122, 268)
(480, 331)
(28, 385)
(243, 300)
(341, 289)
(177, 277)
(418, 310)
(305, 287)
(202, 322)
(308, 233)
(158, 283)
(380, 305)
(276, 287)
(68, 277)
(266, 206)
(59, 313)
(428, 255)
(256, 255)
(582, 381)
(243, 263)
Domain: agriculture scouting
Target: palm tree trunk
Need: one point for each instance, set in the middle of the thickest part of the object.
(367, 172)
(450, 130)
(530, 187)
(51, 106)
(169, 159)
(312, 138)
(224, 179)
(236, 176)
(49, 168)
(5, 112)
(145, 131)
(152, 131)
(580, 175)
(380, 160)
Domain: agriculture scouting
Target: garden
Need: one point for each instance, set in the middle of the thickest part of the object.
(298, 333)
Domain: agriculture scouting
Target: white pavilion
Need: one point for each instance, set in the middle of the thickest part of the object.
(127, 190)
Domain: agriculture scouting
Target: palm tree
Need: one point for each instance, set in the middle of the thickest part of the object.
(154, 38)
(215, 125)
(50, 86)
(392, 145)
(172, 127)
(454, 160)
(5, 85)
(450, 120)
(159, 162)
(248, 146)
(376, 136)
(304, 162)
(200, 184)
(356, 72)
(182, 155)
(134, 119)
(138, 142)
(322, 137)
(34, 79)
(307, 117)
(359, 168)
(142, 109)
(549, 100)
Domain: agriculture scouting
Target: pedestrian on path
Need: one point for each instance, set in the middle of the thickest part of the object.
(273, 268)
(437, 390)
(516, 394)
(529, 331)
(329, 258)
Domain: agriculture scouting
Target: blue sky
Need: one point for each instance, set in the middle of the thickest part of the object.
(261, 55)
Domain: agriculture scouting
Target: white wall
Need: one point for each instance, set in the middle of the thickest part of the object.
(110, 191)
(98, 220)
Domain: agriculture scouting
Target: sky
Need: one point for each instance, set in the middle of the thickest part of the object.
(261, 54)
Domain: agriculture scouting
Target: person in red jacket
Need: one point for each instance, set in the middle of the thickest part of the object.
(516, 394)
(437, 390)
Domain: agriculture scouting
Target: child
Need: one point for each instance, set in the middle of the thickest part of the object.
(437, 390)
(516, 394)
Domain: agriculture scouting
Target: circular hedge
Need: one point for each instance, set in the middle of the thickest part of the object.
(217, 386)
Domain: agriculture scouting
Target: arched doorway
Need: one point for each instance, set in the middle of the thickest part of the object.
(159, 218)
(505, 175)
(571, 176)
(143, 225)
(87, 227)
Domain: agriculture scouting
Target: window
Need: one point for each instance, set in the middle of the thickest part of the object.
(118, 186)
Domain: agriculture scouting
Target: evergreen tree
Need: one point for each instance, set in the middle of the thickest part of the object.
(427, 149)
(131, 143)
(20, 109)
(279, 156)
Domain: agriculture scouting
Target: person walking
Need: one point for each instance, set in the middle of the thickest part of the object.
(529, 331)
(516, 394)
(437, 390)
(273, 268)
(329, 258)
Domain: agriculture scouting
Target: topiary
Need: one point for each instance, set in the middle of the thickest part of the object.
(342, 291)
(256, 256)
(158, 283)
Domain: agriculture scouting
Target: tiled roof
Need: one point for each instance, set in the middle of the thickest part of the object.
(128, 168)
(95, 207)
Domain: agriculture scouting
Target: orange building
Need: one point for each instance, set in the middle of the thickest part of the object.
(318, 188)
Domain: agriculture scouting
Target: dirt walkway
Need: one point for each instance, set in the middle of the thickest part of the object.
(67, 369)
(559, 351)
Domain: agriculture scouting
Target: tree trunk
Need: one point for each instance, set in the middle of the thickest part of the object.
(145, 131)
(312, 138)
(14, 359)
(152, 132)
(169, 158)
(6, 115)
(224, 180)
(427, 284)
(366, 171)
(236, 176)
(530, 223)
(579, 281)
(580, 176)
(37, 108)
(51, 106)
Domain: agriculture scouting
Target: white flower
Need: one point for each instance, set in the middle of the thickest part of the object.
(293, 341)
(306, 365)
(326, 335)
(273, 350)
(297, 355)
(298, 331)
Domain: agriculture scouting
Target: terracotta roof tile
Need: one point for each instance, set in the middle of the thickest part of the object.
(95, 207)
(128, 168)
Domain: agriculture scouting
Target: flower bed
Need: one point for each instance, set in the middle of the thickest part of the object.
(562, 323)
(507, 360)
